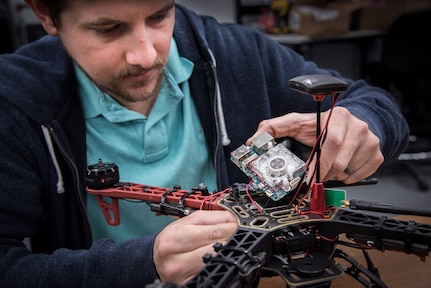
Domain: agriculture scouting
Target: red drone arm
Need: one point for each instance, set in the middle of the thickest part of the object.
(161, 198)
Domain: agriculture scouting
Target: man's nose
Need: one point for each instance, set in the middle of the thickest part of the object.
(140, 49)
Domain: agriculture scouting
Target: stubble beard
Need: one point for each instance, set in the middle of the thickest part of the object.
(117, 90)
(140, 92)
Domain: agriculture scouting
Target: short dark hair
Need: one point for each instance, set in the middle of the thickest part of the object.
(55, 8)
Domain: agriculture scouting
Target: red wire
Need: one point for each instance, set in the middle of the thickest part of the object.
(252, 200)
(318, 139)
(211, 198)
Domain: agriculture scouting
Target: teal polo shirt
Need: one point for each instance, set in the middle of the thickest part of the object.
(166, 148)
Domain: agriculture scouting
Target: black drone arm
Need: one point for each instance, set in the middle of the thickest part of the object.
(304, 251)
(380, 231)
(238, 263)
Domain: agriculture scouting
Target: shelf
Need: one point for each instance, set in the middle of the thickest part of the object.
(248, 11)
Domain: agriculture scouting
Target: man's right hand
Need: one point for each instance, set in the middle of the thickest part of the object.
(179, 248)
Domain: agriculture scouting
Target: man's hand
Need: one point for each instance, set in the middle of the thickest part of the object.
(179, 248)
(350, 153)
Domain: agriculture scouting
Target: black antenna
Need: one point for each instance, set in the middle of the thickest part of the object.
(318, 86)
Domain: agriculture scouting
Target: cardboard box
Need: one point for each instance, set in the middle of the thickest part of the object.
(380, 14)
(332, 19)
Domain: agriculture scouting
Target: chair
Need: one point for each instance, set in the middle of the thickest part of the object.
(406, 73)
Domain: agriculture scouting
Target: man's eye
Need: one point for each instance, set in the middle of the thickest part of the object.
(107, 30)
(160, 17)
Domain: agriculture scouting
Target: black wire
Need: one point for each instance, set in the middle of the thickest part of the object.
(387, 208)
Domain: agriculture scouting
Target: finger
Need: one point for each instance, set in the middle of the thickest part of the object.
(264, 126)
(175, 271)
(196, 230)
(366, 156)
(288, 125)
(204, 235)
(336, 150)
(203, 217)
(337, 155)
(368, 168)
(364, 161)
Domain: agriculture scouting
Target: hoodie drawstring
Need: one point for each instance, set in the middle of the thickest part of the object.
(220, 114)
(48, 140)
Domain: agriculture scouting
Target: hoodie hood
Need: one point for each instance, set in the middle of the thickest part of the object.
(38, 71)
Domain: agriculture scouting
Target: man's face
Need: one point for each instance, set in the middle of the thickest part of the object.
(122, 45)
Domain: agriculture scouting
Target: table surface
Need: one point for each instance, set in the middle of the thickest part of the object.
(396, 269)
(300, 39)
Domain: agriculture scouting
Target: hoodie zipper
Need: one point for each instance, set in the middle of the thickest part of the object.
(216, 150)
(77, 177)
(222, 137)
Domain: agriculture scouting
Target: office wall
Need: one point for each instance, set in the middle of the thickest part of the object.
(222, 10)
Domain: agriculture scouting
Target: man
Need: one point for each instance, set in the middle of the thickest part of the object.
(166, 95)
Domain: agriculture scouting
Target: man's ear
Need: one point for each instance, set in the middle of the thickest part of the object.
(42, 12)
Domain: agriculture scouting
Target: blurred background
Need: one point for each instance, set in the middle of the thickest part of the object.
(385, 42)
